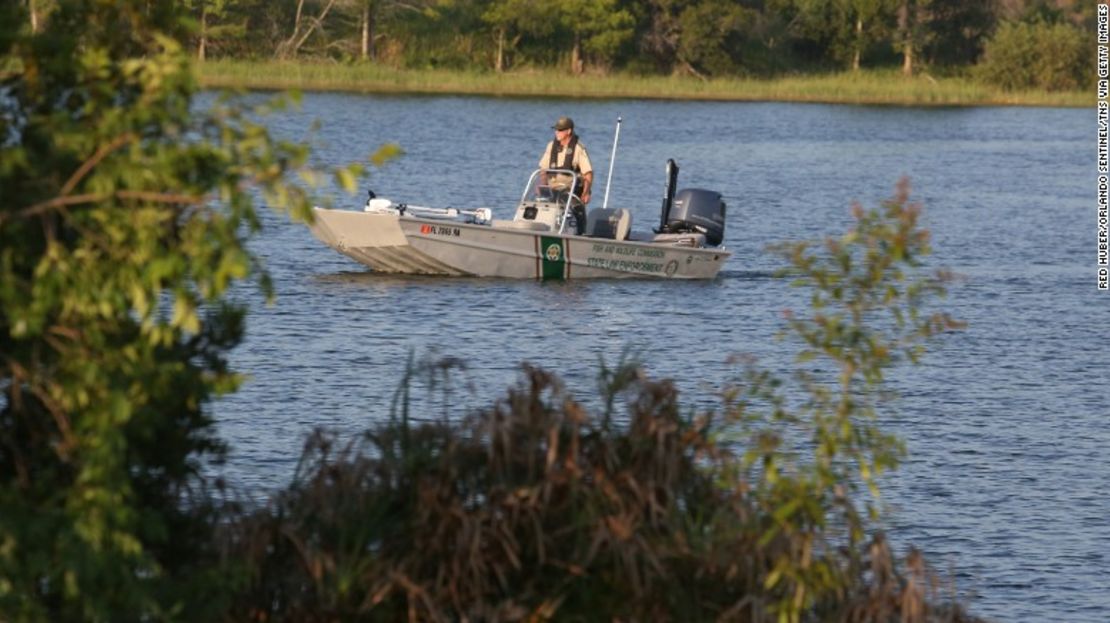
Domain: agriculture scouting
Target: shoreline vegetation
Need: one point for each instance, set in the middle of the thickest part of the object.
(865, 87)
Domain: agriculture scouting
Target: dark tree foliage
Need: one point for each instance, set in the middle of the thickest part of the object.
(956, 31)
(702, 37)
(123, 219)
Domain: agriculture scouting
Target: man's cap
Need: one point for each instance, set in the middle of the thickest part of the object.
(564, 123)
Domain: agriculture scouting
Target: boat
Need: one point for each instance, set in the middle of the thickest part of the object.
(541, 241)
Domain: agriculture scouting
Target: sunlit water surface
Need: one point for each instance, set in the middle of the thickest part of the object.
(1005, 488)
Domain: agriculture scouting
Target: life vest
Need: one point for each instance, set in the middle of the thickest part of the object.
(568, 161)
(568, 155)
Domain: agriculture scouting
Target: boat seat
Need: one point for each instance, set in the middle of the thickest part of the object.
(608, 223)
(529, 225)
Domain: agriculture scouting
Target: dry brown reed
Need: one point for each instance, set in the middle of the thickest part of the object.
(536, 509)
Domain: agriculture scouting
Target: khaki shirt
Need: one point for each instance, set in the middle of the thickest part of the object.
(581, 161)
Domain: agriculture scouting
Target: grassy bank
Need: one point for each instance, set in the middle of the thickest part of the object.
(867, 87)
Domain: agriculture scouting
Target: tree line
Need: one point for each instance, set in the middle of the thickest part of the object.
(705, 38)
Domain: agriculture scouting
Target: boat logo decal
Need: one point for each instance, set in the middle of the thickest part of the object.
(671, 268)
(553, 258)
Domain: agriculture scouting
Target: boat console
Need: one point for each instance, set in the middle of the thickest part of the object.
(692, 217)
(546, 201)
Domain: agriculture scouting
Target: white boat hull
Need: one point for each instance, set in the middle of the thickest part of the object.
(392, 243)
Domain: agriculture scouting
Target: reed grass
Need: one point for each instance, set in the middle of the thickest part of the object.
(886, 87)
(539, 509)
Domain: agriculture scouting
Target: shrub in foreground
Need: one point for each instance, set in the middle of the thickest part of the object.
(537, 509)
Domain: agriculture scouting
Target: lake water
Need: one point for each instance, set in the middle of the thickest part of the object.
(1005, 488)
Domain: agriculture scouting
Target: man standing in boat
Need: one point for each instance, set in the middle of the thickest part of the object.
(566, 152)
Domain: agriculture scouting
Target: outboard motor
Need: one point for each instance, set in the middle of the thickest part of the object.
(692, 210)
(698, 210)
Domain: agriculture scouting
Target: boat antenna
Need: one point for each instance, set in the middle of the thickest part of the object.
(612, 158)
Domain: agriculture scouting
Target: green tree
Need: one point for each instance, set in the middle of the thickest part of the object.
(953, 32)
(701, 37)
(844, 28)
(447, 33)
(122, 225)
(659, 31)
(373, 20)
(213, 24)
(1037, 55)
(367, 21)
(308, 19)
(943, 32)
(594, 30)
(711, 31)
(597, 30)
(512, 20)
(37, 11)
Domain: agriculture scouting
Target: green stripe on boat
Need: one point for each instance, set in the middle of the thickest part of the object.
(553, 254)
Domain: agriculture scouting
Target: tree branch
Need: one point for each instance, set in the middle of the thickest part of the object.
(88, 165)
(316, 23)
(141, 195)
